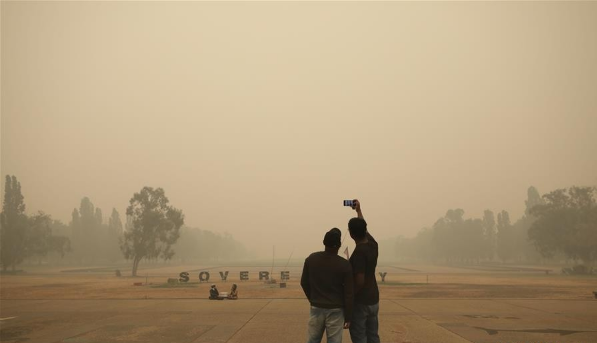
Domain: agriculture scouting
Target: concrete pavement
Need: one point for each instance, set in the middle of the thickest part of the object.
(284, 320)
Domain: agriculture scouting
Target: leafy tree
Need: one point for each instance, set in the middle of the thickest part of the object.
(457, 239)
(38, 236)
(87, 212)
(75, 224)
(88, 234)
(533, 199)
(445, 234)
(60, 245)
(13, 225)
(455, 216)
(60, 229)
(423, 243)
(474, 240)
(155, 227)
(114, 234)
(114, 223)
(561, 223)
(419, 247)
(523, 248)
(567, 223)
(59, 242)
(505, 237)
(99, 220)
(204, 245)
(490, 234)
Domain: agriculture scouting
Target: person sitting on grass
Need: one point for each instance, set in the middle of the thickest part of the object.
(213, 293)
(233, 292)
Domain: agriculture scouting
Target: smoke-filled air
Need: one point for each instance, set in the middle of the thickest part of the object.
(468, 131)
(277, 171)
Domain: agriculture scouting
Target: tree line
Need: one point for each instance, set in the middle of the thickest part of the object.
(153, 230)
(23, 236)
(559, 225)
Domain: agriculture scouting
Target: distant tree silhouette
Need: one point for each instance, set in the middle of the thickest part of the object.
(113, 236)
(13, 225)
(39, 233)
(457, 239)
(490, 234)
(505, 237)
(87, 235)
(22, 236)
(562, 223)
(205, 245)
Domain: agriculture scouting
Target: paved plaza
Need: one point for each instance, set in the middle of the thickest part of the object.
(284, 320)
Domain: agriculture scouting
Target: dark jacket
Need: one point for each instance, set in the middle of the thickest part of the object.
(328, 283)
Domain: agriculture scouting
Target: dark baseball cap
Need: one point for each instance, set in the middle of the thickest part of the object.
(332, 238)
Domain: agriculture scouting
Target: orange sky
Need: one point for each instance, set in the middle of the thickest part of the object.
(259, 118)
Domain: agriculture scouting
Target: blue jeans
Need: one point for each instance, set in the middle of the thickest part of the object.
(364, 325)
(329, 319)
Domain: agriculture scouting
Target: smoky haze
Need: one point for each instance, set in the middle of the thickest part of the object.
(258, 119)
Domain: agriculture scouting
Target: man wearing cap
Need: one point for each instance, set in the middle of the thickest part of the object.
(328, 284)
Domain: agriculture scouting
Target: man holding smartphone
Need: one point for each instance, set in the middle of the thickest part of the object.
(364, 325)
(328, 284)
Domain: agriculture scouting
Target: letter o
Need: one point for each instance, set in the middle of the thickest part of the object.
(203, 276)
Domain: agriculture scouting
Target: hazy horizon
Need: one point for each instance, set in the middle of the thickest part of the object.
(258, 119)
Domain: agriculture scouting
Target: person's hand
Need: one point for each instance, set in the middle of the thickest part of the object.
(356, 205)
(346, 325)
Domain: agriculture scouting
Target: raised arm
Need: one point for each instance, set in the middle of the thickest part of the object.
(357, 207)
